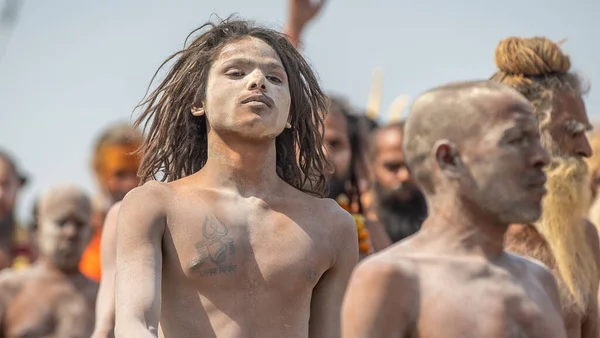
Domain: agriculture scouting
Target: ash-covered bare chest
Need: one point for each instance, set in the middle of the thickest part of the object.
(483, 300)
(249, 246)
(526, 241)
(51, 306)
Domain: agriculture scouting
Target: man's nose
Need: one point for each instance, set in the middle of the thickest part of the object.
(257, 81)
(540, 157)
(403, 174)
(583, 148)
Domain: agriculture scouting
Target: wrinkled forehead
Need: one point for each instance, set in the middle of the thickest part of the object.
(569, 111)
(249, 50)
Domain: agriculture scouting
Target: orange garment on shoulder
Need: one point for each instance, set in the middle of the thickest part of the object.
(90, 260)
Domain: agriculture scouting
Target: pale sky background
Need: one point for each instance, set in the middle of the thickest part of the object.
(73, 66)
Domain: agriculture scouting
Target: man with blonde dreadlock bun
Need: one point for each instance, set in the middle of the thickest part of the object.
(562, 238)
(232, 243)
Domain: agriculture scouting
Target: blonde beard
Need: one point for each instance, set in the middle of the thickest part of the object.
(562, 225)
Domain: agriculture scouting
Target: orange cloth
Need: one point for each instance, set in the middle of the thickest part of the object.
(90, 260)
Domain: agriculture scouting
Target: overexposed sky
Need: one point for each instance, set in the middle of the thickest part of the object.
(72, 66)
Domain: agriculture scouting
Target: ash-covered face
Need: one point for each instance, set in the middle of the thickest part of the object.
(565, 133)
(64, 228)
(505, 161)
(247, 91)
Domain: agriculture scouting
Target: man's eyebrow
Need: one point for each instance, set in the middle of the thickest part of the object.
(250, 62)
(577, 126)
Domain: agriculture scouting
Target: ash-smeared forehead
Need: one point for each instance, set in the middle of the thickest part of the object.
(64, 200)
(455, 113)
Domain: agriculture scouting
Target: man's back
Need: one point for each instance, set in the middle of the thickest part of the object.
(447, 295)
(244, 267)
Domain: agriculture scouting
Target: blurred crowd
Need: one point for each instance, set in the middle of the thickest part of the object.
(55, 264)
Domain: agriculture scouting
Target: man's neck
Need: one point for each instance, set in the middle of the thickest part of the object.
(461, 230)
(248, 168)
(47, 264)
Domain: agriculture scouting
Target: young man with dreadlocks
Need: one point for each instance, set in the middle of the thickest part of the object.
(561, 238)
(234, 244)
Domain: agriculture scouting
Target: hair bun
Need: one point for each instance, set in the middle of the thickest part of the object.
(530, 56)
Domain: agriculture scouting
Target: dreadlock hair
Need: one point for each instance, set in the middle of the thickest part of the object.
(176, 141)
(358, 129)
(538, 69)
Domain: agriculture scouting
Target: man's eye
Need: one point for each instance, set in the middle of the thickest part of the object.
(235, 73)
(333, 144)
(275, 79)
(517, 141)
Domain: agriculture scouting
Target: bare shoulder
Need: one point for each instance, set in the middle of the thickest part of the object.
(150, 198)
(338, 218)
(383, 273)
(143, 211)
(112, 213)
(593, 240)
(329, 211)
(385, 264)
(148, 192)
(534, 267)
(11, 280)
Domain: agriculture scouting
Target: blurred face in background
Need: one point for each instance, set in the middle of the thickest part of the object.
(336, 143)
(10, 184)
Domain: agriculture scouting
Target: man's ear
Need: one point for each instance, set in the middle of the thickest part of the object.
(447, 158)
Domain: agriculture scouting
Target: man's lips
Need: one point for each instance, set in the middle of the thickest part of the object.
(538, 183)
(259, 98)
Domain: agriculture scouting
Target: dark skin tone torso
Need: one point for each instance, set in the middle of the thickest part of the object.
(42, 302)
(526, 240)
(441, 293)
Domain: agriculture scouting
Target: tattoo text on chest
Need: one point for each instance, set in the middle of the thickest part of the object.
(214, 248)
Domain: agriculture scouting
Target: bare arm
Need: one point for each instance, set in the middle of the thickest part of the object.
(327, 296)
(589, 328)
(140, 227)
(300, 12)
(105, 305)
(377, 303)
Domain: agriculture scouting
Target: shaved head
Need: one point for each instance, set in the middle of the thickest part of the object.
(455, 113)
(64, 215)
